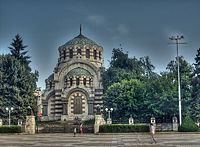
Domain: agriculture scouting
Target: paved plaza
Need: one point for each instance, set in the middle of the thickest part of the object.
(102, 140)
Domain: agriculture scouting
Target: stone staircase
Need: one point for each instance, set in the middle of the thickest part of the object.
(63, 127)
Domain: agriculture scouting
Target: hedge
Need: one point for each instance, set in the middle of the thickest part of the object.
(11, 129)
(89, 122)
(123, 128)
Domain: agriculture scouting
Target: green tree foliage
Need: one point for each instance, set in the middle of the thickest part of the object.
(17, 48)
(195, 102)
(17, 82)
(126, 97)
(122, 67)
(185, 78)
(161, 96)
(188, 125)
(159, 91)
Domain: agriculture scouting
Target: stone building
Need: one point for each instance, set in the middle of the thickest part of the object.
(74, 89)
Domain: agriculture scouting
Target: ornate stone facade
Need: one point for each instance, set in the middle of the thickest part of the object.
(75, 88)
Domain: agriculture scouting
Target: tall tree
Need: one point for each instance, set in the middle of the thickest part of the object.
(17, 49)
(195, 102)
(17, 82)
(185, 78)
(126, 98)
(148, 67)
(124, 70)
(124, 67)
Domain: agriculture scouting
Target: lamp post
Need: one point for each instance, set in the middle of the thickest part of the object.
(30, 111)
(38, 94)
(9, 109)
(177, 39)
(109, 120)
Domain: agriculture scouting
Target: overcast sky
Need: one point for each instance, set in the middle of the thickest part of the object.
(142, 27)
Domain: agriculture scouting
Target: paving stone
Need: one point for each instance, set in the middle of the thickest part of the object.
(103, 140)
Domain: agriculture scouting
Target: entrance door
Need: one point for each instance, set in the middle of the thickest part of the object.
(78, 105)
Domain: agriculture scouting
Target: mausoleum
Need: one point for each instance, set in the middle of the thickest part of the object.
(74, 89)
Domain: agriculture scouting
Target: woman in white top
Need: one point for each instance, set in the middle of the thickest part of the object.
(152, 132)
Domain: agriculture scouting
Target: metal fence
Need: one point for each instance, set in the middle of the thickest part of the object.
(63, 128)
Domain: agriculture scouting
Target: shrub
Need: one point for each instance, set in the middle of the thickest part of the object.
(188, 125)
(89, 122)
(123, 128)
(11, 129)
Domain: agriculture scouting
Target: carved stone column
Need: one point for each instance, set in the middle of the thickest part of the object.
(30, 124)
(99, 120)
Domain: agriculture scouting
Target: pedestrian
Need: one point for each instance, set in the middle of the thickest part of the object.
(152, 130)
(81, 128)
(74, 131)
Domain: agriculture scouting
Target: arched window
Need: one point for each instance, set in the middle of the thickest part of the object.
(71, 81)
(66, 80)
(87, 53)
(50, 85)
(59, 53)
(77, 81)
(99, 55)
(84, 81)
(78, 51)
(70, 53)
(95, 54)
(90, 81)
(64, 54)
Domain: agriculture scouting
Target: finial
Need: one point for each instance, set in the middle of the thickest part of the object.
(80, 29)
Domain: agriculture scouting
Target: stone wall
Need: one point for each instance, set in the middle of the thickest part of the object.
(164, 127)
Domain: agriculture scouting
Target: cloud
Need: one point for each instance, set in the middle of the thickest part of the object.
(122, 29)
(96, 19)
(118, 31)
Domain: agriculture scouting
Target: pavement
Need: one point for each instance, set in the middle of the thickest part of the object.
(101, 140)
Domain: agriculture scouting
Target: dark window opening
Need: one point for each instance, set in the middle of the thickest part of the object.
(77, 81)
(90, 81)
(70, 53)
(84, 81)
(50, 85)
(99, 55)
(64, 53)
(59, 53)
(95, 54)
(71, 81)
(66, 82)
(78, 51)
(87, 53)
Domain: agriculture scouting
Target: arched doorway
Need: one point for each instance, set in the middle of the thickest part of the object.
(77, 105)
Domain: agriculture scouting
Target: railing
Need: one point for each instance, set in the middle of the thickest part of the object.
(63, 128)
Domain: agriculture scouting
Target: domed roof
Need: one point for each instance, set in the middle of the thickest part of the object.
(81, 40)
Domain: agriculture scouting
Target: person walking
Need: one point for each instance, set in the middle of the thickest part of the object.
(74, 131)
(152, 130)
(81, 128)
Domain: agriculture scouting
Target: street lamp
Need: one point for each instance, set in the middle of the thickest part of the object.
(177, 39)
(98, 111)
(109, 120)
(9, 109)
(30, 110)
